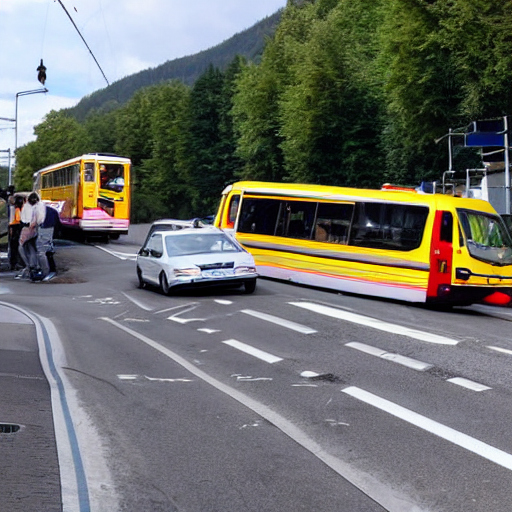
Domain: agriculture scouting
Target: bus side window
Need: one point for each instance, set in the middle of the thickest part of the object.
(333, 222)
(446, 234)
(232, 211)
(89, 171)
(258, 216)
(296, 219)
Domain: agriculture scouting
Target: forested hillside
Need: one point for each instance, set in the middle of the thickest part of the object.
(347, 92)
(249, 44)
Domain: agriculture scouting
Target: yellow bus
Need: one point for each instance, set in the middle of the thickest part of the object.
(91, 193)
(394, 243)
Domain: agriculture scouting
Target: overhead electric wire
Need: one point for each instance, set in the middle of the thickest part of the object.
(85, 42)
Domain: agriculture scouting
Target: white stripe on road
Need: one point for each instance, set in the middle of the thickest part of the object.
(396, 358)
(469, 384)
(117, 254)
(264, 356)
(373, 487)
(138, 302)
(449, 434)
(374, 323)
(499, 349)
(304, 329)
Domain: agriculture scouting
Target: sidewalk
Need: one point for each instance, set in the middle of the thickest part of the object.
(30, 477)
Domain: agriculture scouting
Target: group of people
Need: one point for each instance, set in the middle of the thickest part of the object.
(31, 228)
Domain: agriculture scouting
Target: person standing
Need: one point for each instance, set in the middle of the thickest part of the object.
(45, 240)
(32, 215)
(15, 226)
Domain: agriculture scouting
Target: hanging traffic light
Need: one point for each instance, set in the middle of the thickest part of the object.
(41, 72)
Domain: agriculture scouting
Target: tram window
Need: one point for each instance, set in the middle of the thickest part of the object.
(258, 216)
(296, 219)
(333, 222)
(233, 210)
(388, 226)
(446, 234)
(89, 171)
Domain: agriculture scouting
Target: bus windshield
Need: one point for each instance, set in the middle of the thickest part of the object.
(487, 237)
(112, 177)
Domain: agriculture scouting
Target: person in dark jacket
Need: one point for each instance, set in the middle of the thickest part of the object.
(45, 240)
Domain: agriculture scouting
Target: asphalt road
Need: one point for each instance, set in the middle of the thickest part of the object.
(288, 399)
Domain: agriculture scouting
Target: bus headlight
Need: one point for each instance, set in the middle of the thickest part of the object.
(245, 270)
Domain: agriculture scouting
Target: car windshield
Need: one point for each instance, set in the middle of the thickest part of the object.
(199, 242)
(487, 237)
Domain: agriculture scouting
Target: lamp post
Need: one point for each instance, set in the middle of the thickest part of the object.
(8, 150)
(18, 94)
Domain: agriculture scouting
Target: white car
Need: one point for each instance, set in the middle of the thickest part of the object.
(194, 257)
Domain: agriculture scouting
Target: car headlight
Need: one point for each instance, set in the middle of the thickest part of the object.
(187, 272)
(245, 270)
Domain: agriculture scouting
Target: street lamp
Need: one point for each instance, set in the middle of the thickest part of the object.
(8, 150)
(22, 93)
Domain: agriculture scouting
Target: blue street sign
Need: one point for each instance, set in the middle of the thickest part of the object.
(484, 139)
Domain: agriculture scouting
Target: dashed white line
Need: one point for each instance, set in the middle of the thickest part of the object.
(469, 384)
(499, 349)
(208, 331)
(396, 358)
(469, 443)
(304, 329)
(375, 323)
(255, 352)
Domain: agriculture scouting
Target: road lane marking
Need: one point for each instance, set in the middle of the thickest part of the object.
(304, 329)
(469, 384)
(499, 349)
(117, 254)
(375, 323)
(137, 302)
(389, 356)
(255, 352)
(208, 331)
(188, 308)
(179, 320)
(375, 489)
(223, 302)
(469, 443)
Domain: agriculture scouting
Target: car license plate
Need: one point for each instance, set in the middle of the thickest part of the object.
(217, 273)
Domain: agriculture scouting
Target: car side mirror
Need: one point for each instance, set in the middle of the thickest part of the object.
(143, 252)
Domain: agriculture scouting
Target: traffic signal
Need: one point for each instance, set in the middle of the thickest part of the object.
(41, 72)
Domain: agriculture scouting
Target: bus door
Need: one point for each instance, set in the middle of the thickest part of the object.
(88, 196)
(441, 256)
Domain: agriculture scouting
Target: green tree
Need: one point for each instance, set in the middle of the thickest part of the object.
(204, 143)
(331, 112)
(165, 190)
(59, 137)
(256, 105)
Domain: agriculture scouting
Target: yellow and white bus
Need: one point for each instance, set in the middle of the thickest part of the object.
(91, 193)
(393, 243)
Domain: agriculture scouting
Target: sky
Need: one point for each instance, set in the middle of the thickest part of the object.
(125, 36)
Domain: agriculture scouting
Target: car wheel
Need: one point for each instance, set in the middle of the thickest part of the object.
(142, 283)
(164, 284)
(250, 286)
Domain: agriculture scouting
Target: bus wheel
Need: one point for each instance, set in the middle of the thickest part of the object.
(250, 286)
(114, 236)
(164, 284)
(142, 283)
